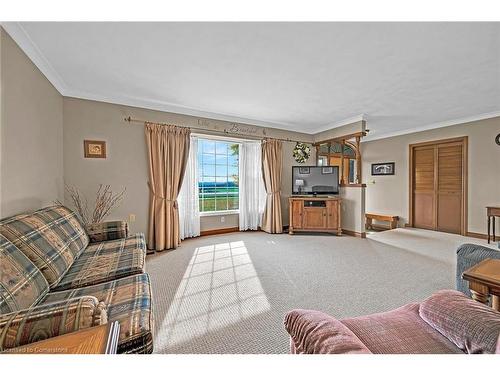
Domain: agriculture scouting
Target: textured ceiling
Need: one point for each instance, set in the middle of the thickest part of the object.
(305, 77)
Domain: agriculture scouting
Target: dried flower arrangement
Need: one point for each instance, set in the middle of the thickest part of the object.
(105, 202)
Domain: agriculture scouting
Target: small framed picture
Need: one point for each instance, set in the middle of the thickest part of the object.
(327, 170)
(383, 169)
(304, 170)
(94, 149)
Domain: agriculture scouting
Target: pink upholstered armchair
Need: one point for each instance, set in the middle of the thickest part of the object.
(446, 322)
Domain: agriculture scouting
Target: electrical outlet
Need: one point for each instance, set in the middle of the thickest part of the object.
(131, 218)
(222, 219)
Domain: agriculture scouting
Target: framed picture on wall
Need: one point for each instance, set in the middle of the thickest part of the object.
(94, 149)
(383, 169)
(304, 170)
(327, 170)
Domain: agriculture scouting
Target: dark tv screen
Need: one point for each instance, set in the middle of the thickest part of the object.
(315, 180)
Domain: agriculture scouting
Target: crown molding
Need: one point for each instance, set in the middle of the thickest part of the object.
(337, 124)
(436, 125)
(21, 37)
(158, 105)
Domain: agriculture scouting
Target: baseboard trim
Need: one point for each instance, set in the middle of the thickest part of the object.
(211, 232)
(354, 233)
(348, 232)
(477, 235)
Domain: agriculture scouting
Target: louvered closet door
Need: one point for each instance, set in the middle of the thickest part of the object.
(449, 187)
(424, 193)
(439, 185)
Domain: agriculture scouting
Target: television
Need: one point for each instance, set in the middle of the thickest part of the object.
(315, 180)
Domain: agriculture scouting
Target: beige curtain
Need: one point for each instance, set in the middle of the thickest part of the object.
(272, 161)
(168, 150)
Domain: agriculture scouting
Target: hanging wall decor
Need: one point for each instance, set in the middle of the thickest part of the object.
(383, 169)
(94, 149)
(301, 152)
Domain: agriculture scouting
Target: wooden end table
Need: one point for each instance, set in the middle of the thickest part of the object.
(102, 339)
(492, 212)
(484, 280)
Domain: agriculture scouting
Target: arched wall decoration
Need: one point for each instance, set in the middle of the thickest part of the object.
(345, 153)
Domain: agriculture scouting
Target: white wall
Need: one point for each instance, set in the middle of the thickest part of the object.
(31, 129)
(353, 208)
(390, 194)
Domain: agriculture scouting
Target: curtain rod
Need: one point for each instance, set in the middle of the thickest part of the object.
(225, 132)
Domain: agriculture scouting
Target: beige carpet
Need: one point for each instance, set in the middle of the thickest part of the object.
(229, 293)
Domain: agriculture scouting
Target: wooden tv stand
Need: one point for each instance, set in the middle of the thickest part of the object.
(314, 214)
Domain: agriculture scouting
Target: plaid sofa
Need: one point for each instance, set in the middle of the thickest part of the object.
(56, 277)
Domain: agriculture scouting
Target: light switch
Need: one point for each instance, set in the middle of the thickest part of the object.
(131, 218)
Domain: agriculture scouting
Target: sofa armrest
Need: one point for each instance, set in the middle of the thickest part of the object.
(469, 255)
(470, 325)
(49, 320)
(314, 332)
(106, 231)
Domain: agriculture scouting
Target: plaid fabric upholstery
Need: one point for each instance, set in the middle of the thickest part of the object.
(21, 283)
(51, 238)
(470, 325)
(109, 230)
(50, 320)
(106, 261)
(127, 300)
(469, 255)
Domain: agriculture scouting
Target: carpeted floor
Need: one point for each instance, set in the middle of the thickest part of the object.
(229, 293)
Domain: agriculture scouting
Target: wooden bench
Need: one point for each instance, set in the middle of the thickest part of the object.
(393, 221)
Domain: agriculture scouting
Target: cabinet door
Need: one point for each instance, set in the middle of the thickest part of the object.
(314, 218)
(333, 214)
(297, 207)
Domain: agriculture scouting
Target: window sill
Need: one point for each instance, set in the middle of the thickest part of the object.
(220, 213)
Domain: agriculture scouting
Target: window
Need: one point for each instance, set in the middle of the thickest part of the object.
(218, 167)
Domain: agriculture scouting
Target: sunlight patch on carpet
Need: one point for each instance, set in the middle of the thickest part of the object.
(220, 287)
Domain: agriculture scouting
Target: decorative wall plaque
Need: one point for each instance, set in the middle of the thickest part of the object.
(94, 149)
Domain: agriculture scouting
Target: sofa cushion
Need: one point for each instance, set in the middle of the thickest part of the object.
(51, 238)
(22, 285)
(107, 231)
(314, 332)
(44, 321)
(472, 326)
(399, 331)
(105, 261)
(127, 300)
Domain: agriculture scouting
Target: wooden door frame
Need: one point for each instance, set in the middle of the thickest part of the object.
(465, 174)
